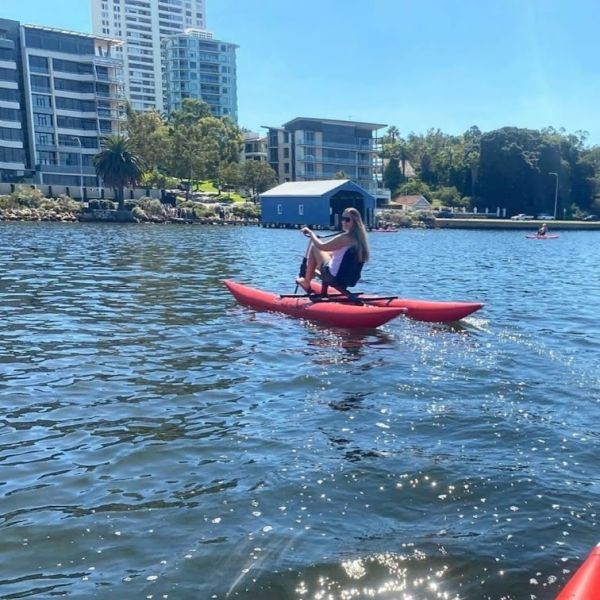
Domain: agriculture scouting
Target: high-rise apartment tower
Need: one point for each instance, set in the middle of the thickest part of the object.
(198, 66)
(141, 24)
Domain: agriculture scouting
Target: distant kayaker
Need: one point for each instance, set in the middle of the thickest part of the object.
(328, 255)
(543, 230)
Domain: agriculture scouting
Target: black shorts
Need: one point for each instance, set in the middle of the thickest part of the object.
(326, 275)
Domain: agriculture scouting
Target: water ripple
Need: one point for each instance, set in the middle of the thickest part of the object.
(160, 441)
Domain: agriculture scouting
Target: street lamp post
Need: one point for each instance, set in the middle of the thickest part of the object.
(80, 166)
(555, 193)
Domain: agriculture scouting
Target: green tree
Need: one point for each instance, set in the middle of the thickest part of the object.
(221, 143)
(341, 175)
(258, 177)
(192, 110)
(415, 187)
(190, 160)
(231, 174)
(117, 165)
(148, 137)
(448, 196)
(392, 176)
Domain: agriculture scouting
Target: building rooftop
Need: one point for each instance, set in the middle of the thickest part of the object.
(371, 126)
(306, 188)
(408, 200)
(92, 36)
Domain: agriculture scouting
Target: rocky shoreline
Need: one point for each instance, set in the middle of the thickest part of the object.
(39, 214)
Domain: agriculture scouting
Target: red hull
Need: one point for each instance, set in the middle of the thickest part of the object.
(432, 311)
(585, 584)
(337, 314)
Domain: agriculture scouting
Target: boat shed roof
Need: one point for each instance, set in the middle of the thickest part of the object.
(310, 188)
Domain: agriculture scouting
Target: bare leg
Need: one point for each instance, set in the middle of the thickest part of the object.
(315, 257)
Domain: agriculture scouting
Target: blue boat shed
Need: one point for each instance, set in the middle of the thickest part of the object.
(314, 203)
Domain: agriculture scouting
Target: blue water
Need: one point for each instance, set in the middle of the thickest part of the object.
(160, 441)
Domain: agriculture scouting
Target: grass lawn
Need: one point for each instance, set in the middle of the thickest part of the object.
(209, 188)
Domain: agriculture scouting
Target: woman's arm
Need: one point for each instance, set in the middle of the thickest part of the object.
(339, 241)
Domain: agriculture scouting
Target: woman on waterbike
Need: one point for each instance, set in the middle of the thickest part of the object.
(328, 255)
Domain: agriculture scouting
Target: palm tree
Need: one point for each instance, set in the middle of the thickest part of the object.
(117, 165)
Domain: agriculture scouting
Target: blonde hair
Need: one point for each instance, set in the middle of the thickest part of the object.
(358, 233)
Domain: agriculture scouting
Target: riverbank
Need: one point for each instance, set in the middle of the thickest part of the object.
(530, 225)
(66, 213)
(112, 216)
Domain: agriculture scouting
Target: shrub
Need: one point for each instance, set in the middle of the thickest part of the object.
(152, 206)
(62, 204)
(26, 196)
(159, 180)
(246, 211)
(101, 205)
(448, 196)
(205, 212)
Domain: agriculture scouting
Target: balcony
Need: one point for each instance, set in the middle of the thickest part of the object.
(361, 147)
(106, 61)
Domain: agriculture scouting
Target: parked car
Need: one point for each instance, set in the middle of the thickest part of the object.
(545, 217)
(444, 214)
(592, 218)
(521, 217)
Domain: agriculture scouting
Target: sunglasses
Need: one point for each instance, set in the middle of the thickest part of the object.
(347, 219)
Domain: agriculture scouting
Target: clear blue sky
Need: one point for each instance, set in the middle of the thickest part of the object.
(415, 64)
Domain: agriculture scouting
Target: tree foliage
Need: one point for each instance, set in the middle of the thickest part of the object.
(508, 168)
(258, 176)
(148, 137)
(117, 165)
(392, 175)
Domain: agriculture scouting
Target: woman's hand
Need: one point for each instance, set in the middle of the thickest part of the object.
(307, 232)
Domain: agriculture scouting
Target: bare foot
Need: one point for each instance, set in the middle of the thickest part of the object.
(303, 284)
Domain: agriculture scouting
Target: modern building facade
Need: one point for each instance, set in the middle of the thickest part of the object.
(60, 93)
(13, 159)
(197, 66)
(73, 97)
(254, 148)
(307, 149)
(141, 24)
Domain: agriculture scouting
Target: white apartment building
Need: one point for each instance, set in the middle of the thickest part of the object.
(141, 24)
(198, 66)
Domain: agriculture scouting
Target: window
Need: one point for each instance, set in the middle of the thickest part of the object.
(8, 74)
(12, 155)
(42, 120)
(47, 158)
(75, 104)
(9, 95)
(43, 139)
(68, 66)
(10, 114)
(68, 85)
(280, 209)
(8, 133)
(40, 83)
(301, 209)
(41, 101)
(38, 64)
